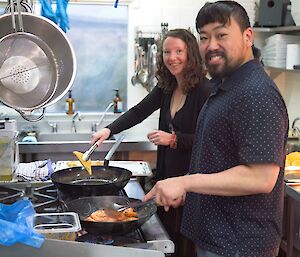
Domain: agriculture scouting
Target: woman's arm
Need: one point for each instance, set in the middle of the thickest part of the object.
(138, 113)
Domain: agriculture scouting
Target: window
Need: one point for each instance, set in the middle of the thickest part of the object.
(98, 34)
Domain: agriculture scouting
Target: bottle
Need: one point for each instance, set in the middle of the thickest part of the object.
(70, 104)
(118, 105)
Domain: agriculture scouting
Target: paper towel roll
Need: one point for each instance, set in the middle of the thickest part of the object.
(292, 55)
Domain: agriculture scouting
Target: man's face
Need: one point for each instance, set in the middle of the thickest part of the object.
(224, 48)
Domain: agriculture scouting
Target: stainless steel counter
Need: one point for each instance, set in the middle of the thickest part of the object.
(59, 248)
(62, 150)
(64, 146)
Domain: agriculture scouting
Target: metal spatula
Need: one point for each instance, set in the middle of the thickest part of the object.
(135, 205)
(86, 164)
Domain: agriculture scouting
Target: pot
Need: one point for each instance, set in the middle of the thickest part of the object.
(85, 206)
(63, 54)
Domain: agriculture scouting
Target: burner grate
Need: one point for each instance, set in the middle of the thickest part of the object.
(133, 237)
(44, 198)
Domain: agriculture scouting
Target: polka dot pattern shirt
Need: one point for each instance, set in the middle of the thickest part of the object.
(243, 122)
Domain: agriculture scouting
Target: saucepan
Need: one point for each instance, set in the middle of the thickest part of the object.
(76, 182)
(85, 206)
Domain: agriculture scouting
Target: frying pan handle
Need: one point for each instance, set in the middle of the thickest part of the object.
(112, 150)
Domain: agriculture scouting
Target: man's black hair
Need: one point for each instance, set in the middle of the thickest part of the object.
(222, 11)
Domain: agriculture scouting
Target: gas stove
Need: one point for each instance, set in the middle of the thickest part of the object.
(46, 199)
(43, 197)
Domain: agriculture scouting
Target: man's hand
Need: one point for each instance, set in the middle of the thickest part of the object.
(168, 193)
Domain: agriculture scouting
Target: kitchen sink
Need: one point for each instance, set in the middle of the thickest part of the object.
(58, 137)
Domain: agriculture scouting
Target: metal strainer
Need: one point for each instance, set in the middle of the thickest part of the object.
(28, 73)
(24, 65)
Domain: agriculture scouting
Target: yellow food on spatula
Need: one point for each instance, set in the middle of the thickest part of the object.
(86, 164)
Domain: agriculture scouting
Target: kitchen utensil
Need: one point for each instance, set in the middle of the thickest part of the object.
(87, 205)
(61, 53)
(85, 158)
(135, 205)
(75, 181)
(86, 164)
(27, 66)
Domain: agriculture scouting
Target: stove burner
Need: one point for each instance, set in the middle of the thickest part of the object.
(133, 237)
(44, 198)
(95, 239)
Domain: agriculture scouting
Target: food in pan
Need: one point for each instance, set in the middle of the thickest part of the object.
(105, 215)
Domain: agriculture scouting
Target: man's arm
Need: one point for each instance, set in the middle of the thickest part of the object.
(237, 181)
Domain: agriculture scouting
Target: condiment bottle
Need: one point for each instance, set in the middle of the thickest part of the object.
(118, 105)
(70, 104)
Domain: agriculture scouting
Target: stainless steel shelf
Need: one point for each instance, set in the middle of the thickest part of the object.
(281, 69)
(277, 29)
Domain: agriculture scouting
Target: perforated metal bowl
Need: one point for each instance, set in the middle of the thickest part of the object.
(63, 56)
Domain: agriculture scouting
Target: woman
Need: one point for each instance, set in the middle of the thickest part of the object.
(180, 94)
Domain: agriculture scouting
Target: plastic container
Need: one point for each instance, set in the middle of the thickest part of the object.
(62, 226)
(8, 149)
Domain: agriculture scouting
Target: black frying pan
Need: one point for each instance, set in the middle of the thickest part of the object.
(75, 182)
(87, 205)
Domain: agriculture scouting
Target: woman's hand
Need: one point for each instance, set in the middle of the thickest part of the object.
(100, 136)
(159, 137)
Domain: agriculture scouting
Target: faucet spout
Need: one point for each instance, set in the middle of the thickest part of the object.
(295, 129)
(78, 116)
(53, 126)
(96, 124)
(294, 122)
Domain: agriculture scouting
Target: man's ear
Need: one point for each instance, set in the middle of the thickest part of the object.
(248, 37)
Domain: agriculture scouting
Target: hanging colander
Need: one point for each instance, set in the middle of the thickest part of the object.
(37, 67)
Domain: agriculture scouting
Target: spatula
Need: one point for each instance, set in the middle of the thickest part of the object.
(84, 158)
(135, 205)
(86, 164)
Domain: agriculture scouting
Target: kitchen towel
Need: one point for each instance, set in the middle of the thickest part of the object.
(35, 171)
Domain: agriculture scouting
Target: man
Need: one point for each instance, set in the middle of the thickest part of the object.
(233, 195)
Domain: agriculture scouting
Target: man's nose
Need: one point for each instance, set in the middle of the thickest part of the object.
(213, 44)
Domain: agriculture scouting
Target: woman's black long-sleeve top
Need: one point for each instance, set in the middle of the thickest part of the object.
(170, 162)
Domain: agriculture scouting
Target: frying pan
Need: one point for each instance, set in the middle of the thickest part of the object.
(105, 180)
(74, 182)
(85, 206)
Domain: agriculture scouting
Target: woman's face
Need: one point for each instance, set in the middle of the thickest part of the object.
(175, 55)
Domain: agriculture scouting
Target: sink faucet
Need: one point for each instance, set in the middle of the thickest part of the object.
(75, 115)
(53, 125)
(96, 124)
(295, 130)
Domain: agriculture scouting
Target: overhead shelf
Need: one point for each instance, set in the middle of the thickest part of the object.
(277, 29)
